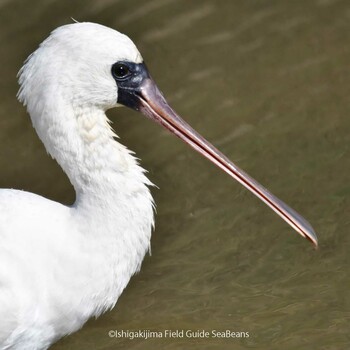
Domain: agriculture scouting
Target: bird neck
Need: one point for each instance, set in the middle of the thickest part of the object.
(82, 142)
(114, 207)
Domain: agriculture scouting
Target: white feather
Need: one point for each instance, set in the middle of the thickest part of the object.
(61, 265)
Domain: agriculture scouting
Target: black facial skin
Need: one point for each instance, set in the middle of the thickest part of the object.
(129, 77)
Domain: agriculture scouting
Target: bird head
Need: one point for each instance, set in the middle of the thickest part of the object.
(89, 65)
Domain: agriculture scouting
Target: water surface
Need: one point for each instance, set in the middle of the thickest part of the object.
(267, 82)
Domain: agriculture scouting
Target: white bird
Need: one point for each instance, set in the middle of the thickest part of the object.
(61, 265)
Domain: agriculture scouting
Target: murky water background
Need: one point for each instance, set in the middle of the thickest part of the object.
(268, 83)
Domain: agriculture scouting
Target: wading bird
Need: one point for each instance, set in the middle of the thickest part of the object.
(61, 265)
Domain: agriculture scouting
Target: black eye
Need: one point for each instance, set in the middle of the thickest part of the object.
(120, 70)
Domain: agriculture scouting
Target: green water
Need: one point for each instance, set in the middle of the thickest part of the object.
(268, 83)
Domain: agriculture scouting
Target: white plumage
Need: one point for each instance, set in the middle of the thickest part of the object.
(61, 265)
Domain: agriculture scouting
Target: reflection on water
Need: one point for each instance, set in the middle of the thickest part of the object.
(265, 81)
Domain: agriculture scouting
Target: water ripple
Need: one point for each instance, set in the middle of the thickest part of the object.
(179, 23)
(246, 25)
(143, 10)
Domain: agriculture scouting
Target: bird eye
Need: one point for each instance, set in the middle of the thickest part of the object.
(120, 70)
